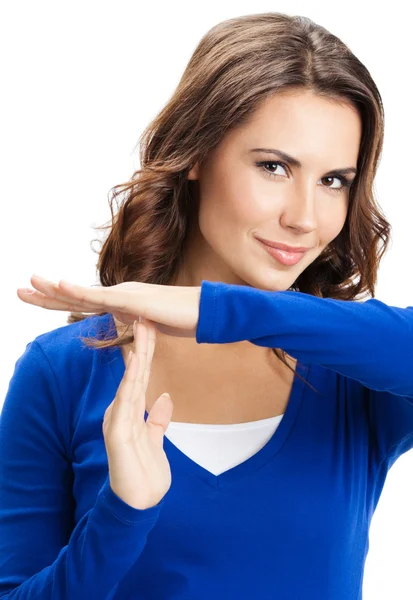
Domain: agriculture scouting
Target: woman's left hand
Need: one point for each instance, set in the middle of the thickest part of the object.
(173, 309)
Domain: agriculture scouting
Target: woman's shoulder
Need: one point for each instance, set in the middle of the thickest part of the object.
(69, 358)
(67, 341)
(72, 371)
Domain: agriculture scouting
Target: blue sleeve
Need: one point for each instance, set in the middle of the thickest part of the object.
(369, 342)
(42, 554)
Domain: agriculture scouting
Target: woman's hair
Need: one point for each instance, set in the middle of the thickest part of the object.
(238, 64)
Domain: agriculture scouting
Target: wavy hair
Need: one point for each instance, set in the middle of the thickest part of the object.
(237, 65)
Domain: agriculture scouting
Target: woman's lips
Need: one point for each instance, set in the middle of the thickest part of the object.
(285, 258)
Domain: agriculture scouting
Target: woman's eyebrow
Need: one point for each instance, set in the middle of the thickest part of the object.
(296, 163)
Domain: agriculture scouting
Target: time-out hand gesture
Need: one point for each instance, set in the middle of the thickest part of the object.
(173, 309)
(139, 470)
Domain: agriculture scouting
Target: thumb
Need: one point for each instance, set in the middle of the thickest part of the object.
(160, 416)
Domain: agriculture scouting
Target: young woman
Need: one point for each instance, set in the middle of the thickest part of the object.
(291, 397)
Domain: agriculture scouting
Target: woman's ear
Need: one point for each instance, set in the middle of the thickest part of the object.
(194, 172)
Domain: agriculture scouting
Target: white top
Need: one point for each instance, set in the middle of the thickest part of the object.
(218, 448)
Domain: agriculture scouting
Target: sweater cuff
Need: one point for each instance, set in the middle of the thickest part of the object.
(208, 312)
(123, 511)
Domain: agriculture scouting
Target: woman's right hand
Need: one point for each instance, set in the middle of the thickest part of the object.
(139, 471)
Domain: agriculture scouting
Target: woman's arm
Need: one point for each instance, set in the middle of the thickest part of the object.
(42, 554)
(369, 341)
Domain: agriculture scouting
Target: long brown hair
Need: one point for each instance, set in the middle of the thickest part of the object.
(238, 64)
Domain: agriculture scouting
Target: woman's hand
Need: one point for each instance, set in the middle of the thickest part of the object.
(173, 309)
(139, 470)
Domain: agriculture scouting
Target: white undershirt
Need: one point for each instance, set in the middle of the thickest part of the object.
(218, 448)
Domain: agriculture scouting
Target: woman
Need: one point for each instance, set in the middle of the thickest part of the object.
(291, 398)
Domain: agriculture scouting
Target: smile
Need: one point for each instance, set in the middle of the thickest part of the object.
(285, 258)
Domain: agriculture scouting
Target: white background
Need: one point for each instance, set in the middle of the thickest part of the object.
(81, 80)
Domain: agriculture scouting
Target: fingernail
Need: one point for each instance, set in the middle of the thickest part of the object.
(140, 319)
(27, 291)
(129, 357)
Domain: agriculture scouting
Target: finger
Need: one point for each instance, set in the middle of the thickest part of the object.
(53, 291)
(40, 299)
(102, 296)
(150, 345)
(107, 416)
(121, 410)
(108, 411)
(141, 350)
(151, 348)
(159, 418)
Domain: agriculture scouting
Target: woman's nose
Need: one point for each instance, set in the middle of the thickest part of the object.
(299, 209)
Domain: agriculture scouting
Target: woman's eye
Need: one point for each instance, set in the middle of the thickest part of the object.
(342, 181)
(333, 187)
(264, 164)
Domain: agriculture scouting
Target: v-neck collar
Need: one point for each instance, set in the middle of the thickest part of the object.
(182, 462)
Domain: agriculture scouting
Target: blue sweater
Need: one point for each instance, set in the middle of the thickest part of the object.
(291, 522)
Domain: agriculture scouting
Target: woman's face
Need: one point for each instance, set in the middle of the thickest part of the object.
(240, 201)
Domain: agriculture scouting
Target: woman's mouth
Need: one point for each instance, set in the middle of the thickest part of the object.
(285, 258)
